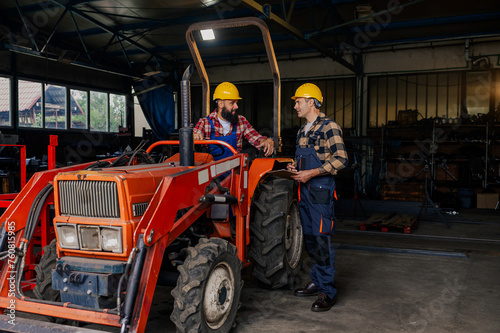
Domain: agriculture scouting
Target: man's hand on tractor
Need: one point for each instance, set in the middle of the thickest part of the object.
(197, 136)
(267, 145)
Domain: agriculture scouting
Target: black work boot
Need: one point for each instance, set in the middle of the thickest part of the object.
(310, 290)
(323, 303)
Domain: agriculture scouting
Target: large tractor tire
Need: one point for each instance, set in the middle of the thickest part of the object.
(208, 290)
(277, 242)
(43, 289)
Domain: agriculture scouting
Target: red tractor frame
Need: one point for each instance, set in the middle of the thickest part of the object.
(125, 224)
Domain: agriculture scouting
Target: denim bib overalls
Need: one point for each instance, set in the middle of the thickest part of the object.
(316, 206)
(220, 152)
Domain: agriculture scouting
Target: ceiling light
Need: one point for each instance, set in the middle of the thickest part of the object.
(209, 3)
(207, 34)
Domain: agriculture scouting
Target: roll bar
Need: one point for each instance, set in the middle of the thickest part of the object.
(236, 23)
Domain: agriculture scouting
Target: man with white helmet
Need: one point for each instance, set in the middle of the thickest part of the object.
(226, 125)
(320, 154)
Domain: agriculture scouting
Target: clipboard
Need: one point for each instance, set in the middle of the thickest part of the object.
(283, 173)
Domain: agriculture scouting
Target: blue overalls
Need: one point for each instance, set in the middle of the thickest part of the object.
(316, 206)
(220, 152)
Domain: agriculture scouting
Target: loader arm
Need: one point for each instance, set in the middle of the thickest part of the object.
(184, 190)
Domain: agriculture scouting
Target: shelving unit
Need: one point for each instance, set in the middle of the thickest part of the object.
(458, 156)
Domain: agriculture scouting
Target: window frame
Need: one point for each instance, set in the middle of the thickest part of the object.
(14, 106)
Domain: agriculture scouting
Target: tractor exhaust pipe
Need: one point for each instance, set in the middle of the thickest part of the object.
(186, 145)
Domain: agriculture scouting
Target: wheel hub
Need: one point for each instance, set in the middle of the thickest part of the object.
(288, 233)
(219, 296)
(222, 295)
(293, 236)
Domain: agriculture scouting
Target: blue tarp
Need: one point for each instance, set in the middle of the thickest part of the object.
(158, 105)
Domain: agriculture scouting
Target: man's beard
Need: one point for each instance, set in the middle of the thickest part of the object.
(229, 116)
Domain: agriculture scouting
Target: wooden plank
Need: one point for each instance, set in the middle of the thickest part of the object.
(390, 222)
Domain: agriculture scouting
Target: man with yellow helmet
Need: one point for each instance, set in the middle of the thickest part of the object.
(226, 125)
(320, 154)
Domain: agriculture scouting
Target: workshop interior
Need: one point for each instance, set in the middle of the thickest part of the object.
(115, 219)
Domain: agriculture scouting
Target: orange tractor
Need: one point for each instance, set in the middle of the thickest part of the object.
(126, 224)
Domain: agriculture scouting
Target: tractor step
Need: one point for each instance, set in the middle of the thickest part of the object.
(26, 325)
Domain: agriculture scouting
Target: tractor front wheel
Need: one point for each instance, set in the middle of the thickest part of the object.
(208, 289)
(43, 288)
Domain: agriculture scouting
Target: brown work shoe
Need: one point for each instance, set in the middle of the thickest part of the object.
(323, 303)
(310, 290)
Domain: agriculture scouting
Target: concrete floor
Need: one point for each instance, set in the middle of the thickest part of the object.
(433, 280)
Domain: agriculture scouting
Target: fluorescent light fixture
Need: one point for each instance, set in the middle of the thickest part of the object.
(209, 3)
(207, 34)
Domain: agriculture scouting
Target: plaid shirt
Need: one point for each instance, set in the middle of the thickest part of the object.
(243, 130)
(329, 146)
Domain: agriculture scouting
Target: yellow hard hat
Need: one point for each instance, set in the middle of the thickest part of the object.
(309, 90)
(226, 90)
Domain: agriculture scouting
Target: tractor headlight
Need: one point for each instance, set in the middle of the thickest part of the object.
(68, 237)
(89, 237)
(111, 239)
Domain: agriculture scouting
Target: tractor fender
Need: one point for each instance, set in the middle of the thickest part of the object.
(259, 170)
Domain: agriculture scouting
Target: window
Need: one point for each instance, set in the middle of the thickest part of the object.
(4, 101)
(117, 112)
(79, 108)
(478, 92)
(432, 95)
(496, 91)
(49, 106)
(30, 104)
(55, 106)
(98, 111)
(339, 102)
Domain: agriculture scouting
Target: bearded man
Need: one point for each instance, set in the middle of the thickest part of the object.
(224, 124)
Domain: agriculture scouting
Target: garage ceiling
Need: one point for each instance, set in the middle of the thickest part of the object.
(135, 37)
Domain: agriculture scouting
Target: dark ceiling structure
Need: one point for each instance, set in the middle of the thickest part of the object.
(136, 37)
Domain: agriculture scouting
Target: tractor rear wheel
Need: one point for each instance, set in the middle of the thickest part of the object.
(277, 243)
(208, 289)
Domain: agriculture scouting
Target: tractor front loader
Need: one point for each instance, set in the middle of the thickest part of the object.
(150, 217)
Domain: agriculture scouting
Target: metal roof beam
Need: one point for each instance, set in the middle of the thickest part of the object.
(124, 52)
(44, 55)
(80, 37)
(437, 39)
(266, 10)
(439, 21)
(290, 11)
(55, 28)
(154, 24)
(108, 29)
(26, 26)
(40, 6)
(385, 11)
(182, 47)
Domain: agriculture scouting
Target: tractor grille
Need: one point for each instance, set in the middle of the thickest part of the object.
(88, 198)
(138, 209)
